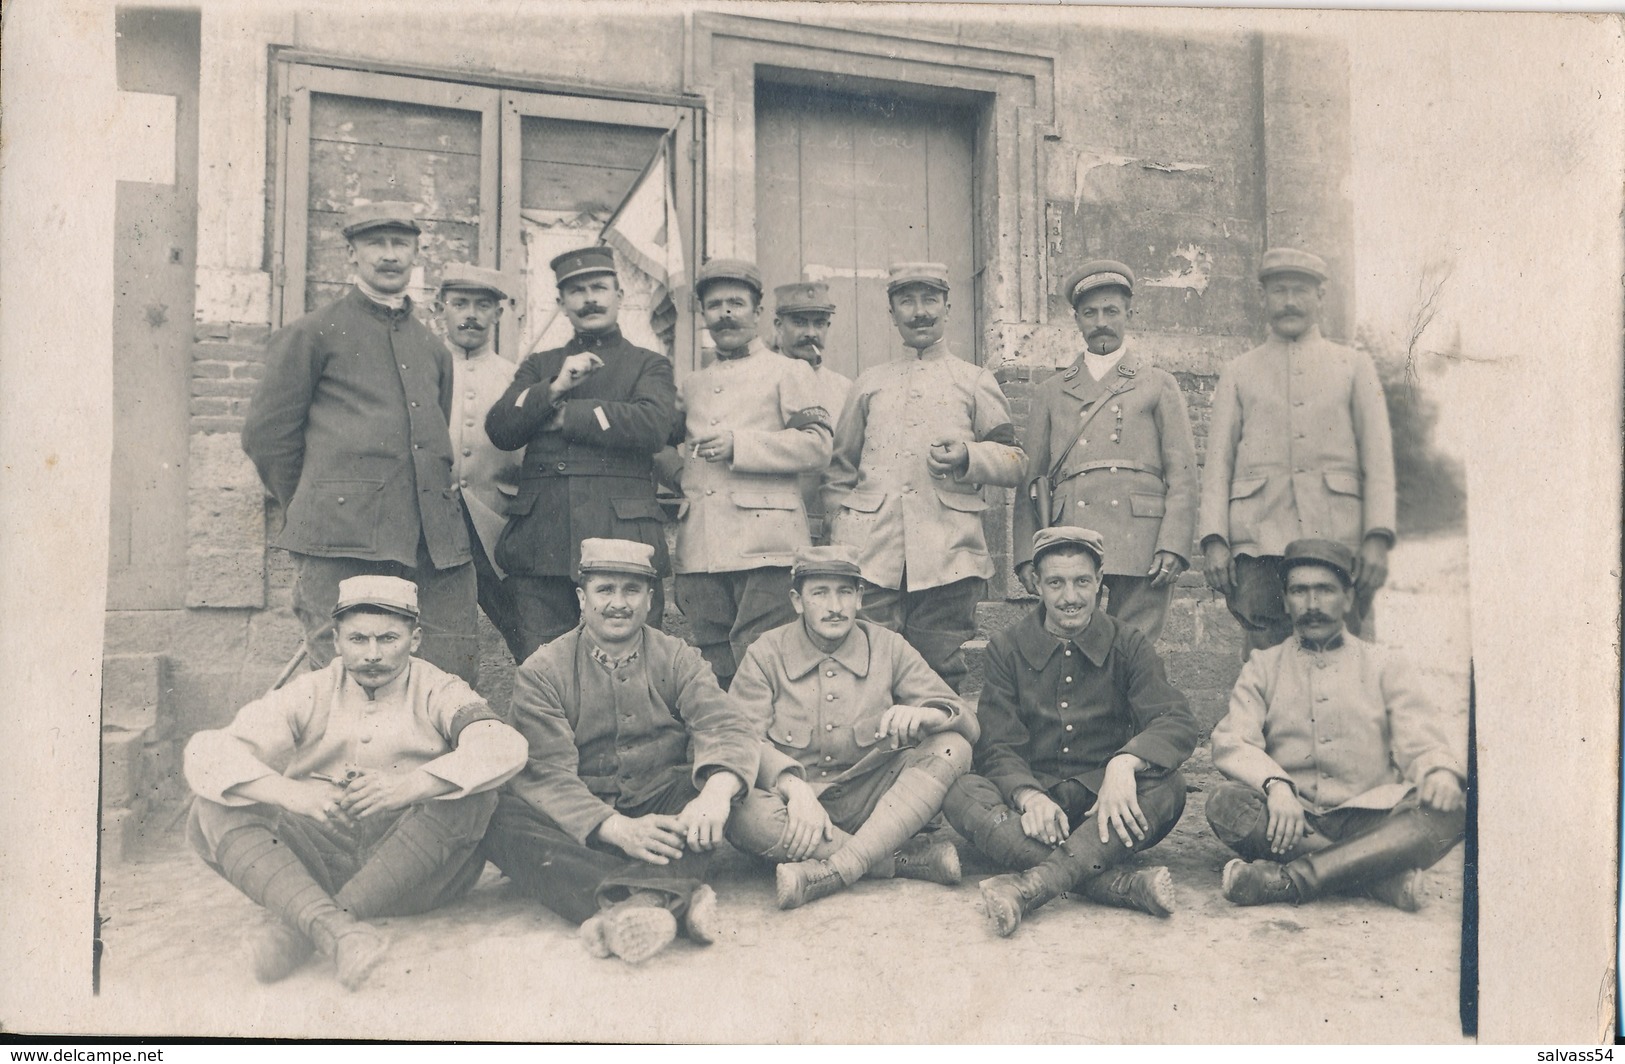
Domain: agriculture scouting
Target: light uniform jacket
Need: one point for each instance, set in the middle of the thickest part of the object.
(1298, 447)
(817, 713)
(348, 432)
(1132, 475)
(1348, 726)
(324, 722)
(746, 513)
(486, 475)
(878, 493)
(601, 740)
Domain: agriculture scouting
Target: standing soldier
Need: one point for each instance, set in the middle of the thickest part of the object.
(1109, 447)
(801, 325)
(1299, 448)
(591, 416)
(754, 422)
(919, 437)
(471, 300)
(349, 433)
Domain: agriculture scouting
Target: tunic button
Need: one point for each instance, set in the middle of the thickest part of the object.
(1069, 653)
(829, 727)
(403, 365)
(1067, 680)
(341, 500)
(417, 446)
(1113, 468)
(1114, 502)
(1066, 749)
(829, 698)
(467, 451)
(717, 389)
(463, 483)
(414, 404)
(713, 421)
(1083, 443)
(1069, 727)
(560, 467)
(1063, 705)
(470, 395)
(710, 491)
(828, 757)
(469, 422)
(366, 738)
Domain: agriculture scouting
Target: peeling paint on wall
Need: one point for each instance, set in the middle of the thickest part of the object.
(1195, 267)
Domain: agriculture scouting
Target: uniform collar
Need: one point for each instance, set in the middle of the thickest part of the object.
(1313, 647)
(1310, 336)
(360, 293)
(755, 347)
(802, 657)
(938, 350)
(610, 337)
(1037, 645)
(1111, 361)
(485, 352)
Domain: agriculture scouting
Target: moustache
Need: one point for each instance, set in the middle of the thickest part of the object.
(471, 325)
(617, 615)
(921, 323)
(830, 618)
(1104, 330)
(1314, 617)
(590, 308)
(1288, 312)
(810, 342)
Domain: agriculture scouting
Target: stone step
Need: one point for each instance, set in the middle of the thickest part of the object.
(140, 763)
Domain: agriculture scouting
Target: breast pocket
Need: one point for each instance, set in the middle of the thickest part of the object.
(789, 729)
(858, 514)
(1345, 506)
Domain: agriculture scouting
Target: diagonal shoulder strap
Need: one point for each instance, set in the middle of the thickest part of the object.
(1083, 424)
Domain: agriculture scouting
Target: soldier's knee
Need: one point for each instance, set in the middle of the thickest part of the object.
(969, 801)
(1234, 812)
(946, 755)
(1163, 800)
(757, 823)
(459, 819)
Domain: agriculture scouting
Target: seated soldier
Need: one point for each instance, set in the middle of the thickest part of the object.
(1082, 739)
(355, 791)
(861, 741)
(1343, 779)
(612, 822)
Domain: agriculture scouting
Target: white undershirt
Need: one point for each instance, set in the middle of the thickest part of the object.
(1100, 365)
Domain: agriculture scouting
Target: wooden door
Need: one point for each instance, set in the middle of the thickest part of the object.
(847, 185)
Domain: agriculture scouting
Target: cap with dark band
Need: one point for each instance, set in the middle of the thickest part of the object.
(1098, 273)
(1047, 539)
(582, 261)
(838, 559)
(741, 270)
(1291, 260)
(617, 556)
(386, 592)
(803, 297)
(1330, 553)
(468, 277)
(386, 214)
(934, 274)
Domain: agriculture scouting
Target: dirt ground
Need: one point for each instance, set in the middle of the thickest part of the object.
(887, 961)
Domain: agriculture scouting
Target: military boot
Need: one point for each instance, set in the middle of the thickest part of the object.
(932, 861)
(1404, 891)
(1008, 898)
(1257, 883)
(800, 882)
(355, 947)
(278, 951)
(1150, 890)
(631, 930)
(1400, 843)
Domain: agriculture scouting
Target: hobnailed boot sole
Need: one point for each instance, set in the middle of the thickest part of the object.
(1149, 890)
(1404, 891)
(702, 923)
(1256, 883)
(1004, 903)
(933, 862)
(278, 951)
(797, 883)
(634, 933)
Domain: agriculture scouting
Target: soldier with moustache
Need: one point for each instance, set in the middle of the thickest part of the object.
(1109, 447)
(470, 307)
(801, 323)
(591, 416)
(919, 438)
(1299, 446)
(754, 423)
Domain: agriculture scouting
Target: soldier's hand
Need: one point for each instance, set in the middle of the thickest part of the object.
(1165, 568)
(1117, 805)
(907, 725)
(716, 447)
(1370, 566)
(575, 369)
(315, 799)
(1027, 573)
(1440, 790)
(1042, 819)
(370, 793)
(808, 825)
(1219, 567)
(703, 819)
(947, 457)
(656, 838)
(1287, 823)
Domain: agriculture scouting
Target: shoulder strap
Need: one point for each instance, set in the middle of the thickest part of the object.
(1083, 423)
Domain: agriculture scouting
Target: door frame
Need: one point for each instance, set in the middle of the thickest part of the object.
(1012, 93)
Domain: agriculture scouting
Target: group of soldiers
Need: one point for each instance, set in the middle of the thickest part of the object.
(829, 559)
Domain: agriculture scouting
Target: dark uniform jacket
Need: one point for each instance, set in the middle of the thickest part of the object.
(602, 740)
(1056, 710)
(349, 432)
(593, 477)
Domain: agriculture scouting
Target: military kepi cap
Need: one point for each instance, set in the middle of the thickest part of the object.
(1291, 260)
(386, 592)
(467, 276)
(617, 556)
(582, 261)
(389, 214)
(741, 270)
(837, 559)
(1099, 273)
(1047, 539)
(1333, 555)
(804, 296)
(934, 274)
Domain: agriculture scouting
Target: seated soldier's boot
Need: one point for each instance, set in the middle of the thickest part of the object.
(1404, 891)
(1404, 841)
(1150, 890)
(278, 951)
(630, 930)
(800, 882)
(1008, 898)
(1257, 883)
(355, 947)
(702, 922)
(928, 859)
